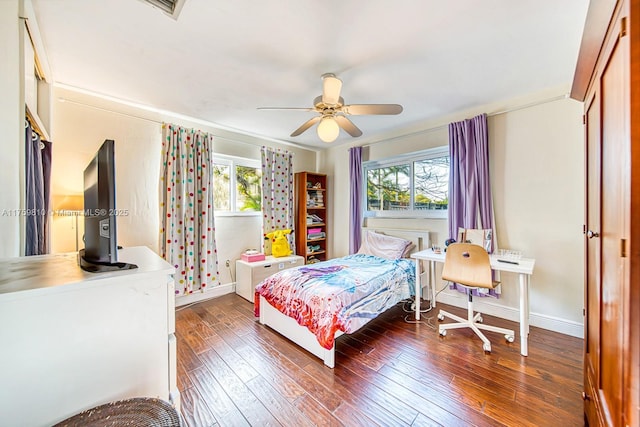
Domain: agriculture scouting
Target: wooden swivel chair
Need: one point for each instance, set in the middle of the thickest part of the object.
(468, 265)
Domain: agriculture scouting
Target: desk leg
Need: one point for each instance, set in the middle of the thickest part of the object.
(418, 289)
(432, 281)
(524, 314)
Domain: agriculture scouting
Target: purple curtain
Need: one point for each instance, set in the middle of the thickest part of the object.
(37, 182)
(355, 198)
(470, 201)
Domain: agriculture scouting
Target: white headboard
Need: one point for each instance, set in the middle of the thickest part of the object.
(420, 238)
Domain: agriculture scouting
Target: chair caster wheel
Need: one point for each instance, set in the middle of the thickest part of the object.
(443, 332)
(486, 348)
(479, 319)
(509, 338)
(440, 316)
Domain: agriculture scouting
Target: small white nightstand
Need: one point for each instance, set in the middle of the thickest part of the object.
(249, 274)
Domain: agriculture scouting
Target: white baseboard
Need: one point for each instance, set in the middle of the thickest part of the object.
(555, 324)
(213, 292)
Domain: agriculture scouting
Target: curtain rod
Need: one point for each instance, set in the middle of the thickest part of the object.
(497, 113)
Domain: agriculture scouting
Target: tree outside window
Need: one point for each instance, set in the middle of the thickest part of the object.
(415, 185)
(221, 188)
(248, 186)
(237, 185)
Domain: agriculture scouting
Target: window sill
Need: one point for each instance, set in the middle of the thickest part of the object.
(440, 214)
(232, 214)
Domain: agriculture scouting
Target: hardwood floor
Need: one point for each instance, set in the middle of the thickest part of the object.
(232, 371)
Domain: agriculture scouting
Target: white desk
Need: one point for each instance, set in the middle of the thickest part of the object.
(524, 269)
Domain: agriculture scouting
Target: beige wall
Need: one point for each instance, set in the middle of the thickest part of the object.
(11, 128)
(82, 122)
(536, 166)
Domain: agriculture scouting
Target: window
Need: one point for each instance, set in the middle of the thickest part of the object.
(411, 185)
(244, 176)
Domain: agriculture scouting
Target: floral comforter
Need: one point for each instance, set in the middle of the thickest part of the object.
(339, 294)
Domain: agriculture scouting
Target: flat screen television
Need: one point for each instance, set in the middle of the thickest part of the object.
(100, 251)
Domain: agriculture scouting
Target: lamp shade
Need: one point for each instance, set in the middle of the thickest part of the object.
(328, 129)
(70, 203)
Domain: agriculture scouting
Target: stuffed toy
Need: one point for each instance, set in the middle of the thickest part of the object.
(279, 243)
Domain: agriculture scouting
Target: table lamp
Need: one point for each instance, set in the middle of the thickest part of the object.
(71, 205)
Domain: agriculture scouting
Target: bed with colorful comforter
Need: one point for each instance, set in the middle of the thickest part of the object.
(341, 294)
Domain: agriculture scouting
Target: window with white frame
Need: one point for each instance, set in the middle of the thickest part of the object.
(237, 185)
(411, 185)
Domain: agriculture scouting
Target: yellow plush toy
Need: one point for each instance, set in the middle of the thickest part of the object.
(279, 244)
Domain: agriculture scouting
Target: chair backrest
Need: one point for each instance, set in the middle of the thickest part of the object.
(482, 237)
(468, 265)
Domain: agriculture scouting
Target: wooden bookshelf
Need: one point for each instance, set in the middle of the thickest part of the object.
(311, 216)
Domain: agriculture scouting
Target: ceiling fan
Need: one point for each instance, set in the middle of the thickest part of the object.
(333, 111)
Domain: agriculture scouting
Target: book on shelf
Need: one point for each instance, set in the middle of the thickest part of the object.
(314, 219)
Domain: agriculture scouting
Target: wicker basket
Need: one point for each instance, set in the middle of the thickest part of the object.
(139, 411)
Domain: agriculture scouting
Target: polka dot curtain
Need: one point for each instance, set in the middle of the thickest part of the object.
(187, 230)
(277, 193)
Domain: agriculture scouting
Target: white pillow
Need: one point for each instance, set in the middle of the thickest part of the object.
(383, 246)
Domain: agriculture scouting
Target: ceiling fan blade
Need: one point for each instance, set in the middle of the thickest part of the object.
(306, 125)
(348, 126)
(361, 109)
(331, 86)
(287, 108)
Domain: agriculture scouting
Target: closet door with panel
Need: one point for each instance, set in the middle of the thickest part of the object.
(612, 222)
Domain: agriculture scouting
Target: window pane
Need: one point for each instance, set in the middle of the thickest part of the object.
(431, 183)
(388, 188)
(221, 188)
(248, 186)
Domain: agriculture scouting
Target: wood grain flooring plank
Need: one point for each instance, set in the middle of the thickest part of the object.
(407, 395)
(242, 369)
(443, 395)
(240, 393)
(352, 417)
(307, 382)
(315, 412)
(183, 380)
(490, 376)
(185, 354)
(194, 341)
(380, 406)
(220, 405)
(424, 421)
(467, 384)
(195, 411)
(285, 384)
(283, 410)
(535, 372)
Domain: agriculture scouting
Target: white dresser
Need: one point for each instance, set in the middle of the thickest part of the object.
(249, 274)
(71, 340)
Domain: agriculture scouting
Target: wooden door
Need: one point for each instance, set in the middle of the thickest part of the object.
(615, 209)
(608, 148)
(593, 250)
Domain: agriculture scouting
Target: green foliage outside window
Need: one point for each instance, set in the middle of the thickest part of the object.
(419, 185)
(248, 186)
(247, 182)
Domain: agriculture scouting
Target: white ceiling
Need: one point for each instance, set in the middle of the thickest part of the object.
(222, 59)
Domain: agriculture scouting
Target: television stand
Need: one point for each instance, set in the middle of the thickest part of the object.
(102, 267)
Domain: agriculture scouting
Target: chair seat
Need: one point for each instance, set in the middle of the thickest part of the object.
(469, 265)
(138, 412)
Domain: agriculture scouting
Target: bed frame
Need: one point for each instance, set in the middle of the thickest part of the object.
(289, 328)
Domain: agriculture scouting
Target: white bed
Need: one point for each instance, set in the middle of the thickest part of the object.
(289, 328)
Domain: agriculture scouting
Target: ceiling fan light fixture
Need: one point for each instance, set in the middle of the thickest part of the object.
(331, 86)
(328, 129)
